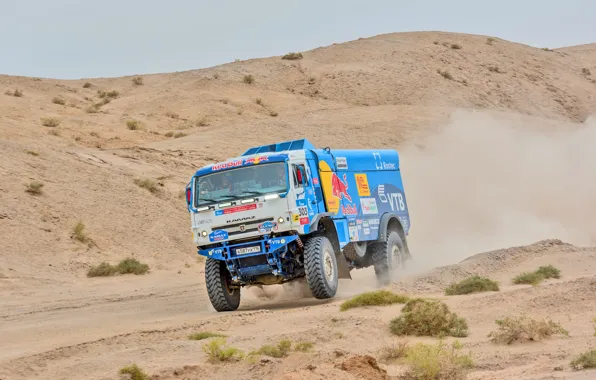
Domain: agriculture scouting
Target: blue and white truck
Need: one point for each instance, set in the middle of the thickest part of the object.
(284, 211)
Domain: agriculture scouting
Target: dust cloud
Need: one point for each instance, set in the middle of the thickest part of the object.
(490, 181)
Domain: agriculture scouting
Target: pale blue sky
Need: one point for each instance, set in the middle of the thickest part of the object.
(72, 39)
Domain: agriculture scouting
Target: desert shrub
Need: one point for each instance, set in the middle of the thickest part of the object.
(523, 329)
(32, 153)
(445, 74)
(376, 298)
(132, 266)
(102, 270)
(18, 93)
(172, 115)
(137, 81)
(58, 100)
(394, 351)
(292, 56)
(455, 46)
(169, 134)
(92, 109)
(474, 284)
(86, 84)
(50, 122)
(282, 349)
(133, 125)
(217, 351)
(248, 79)
(201, 122)
(303, 346)
(135, 372)
(528, 278)
(78, 232)
(494, 69)
(126, 266)
(586, 71)
(428, 318)
(437, 361)
(549, 271)
(490, 40)
(179, 134)
(54, 132)
(273, 114)
(34, 188)
(205, 335)
(584, 361)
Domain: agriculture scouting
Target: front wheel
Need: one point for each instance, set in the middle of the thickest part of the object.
(387, 257)
(218, 281)
(321, 267)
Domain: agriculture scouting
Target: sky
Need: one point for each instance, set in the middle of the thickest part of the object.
(72, 39)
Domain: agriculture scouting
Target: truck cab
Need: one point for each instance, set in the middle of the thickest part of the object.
(288, 210)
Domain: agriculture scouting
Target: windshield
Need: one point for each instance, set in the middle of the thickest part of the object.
(240, 183)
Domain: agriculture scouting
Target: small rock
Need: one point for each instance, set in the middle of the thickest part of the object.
(311, 367)
(339, 353)
(358, 322)
(179, 272)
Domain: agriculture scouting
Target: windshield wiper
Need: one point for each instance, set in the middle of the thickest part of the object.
(220, 198)
(250, 192)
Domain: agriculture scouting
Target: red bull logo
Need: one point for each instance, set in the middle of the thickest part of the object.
(255, 160)
(339, 188)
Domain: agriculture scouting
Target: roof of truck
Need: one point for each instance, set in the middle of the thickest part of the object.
(341, 159)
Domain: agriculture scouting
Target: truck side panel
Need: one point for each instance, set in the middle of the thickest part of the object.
(360, 186)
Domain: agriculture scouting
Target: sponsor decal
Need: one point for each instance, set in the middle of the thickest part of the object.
(276, 241)
(226, 165)
(295, 217)
(315, 181)
(382, 165)
(349, 210)
(215, 251)
(342, 163)
(365, 224)
(304, 220)
(353, 233)
(267, 226)
(232, 210)
(362, 185)
(339, 188)
(369, 206)
(366, 231)
(256, 160)
(204, 221)
(392, 196)
(218, 235)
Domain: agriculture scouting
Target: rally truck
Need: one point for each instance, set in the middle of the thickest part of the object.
(289, 210)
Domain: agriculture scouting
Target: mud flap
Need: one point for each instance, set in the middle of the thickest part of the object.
(342, 266)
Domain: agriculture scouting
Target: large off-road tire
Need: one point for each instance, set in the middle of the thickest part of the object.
(218, 280)
(321, 267)
(388, 256)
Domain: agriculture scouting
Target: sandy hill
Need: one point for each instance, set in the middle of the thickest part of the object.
(376, 92)
(497, 145)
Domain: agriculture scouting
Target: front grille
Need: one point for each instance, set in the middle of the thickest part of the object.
(249, 226)
(251, 261)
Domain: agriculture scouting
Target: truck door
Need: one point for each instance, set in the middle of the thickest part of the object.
(307, 204)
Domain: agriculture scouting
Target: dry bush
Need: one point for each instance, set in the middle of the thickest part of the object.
(536, 277)
(303, 346)
(54, 132)
(586, 71)
(34, 188)
(205, 335)
(217, 351)
(490, 40)
(584, 361)
(133, 125)
(273, 114)
(32, 153)
(108, 94)
(394, 351)
(259, 101)
(437, 362)
(428, 318)
(78, 232)
(282, 349)
(135, 372)
(455, 46)
(474, 284)
(50, 122)
(169, 134)
(172, 115)
(248, 79)
(148, 184)
(137, 81)
(445, 74)
(494, 69)
(376, 298)
(87, 85)
(92, 109)
(179, 134)
(126, 266)
(17, 93)
(201, 122)
(524, 329)
(59, 101)
(292, 56)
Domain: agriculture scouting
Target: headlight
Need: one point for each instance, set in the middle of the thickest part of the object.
(280, 220)
(204, 233)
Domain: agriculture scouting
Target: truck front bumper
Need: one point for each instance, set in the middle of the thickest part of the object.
(253, 258)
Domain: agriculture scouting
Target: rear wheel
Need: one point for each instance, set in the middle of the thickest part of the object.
(388, 256)
(218, 281)
(321, 267)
